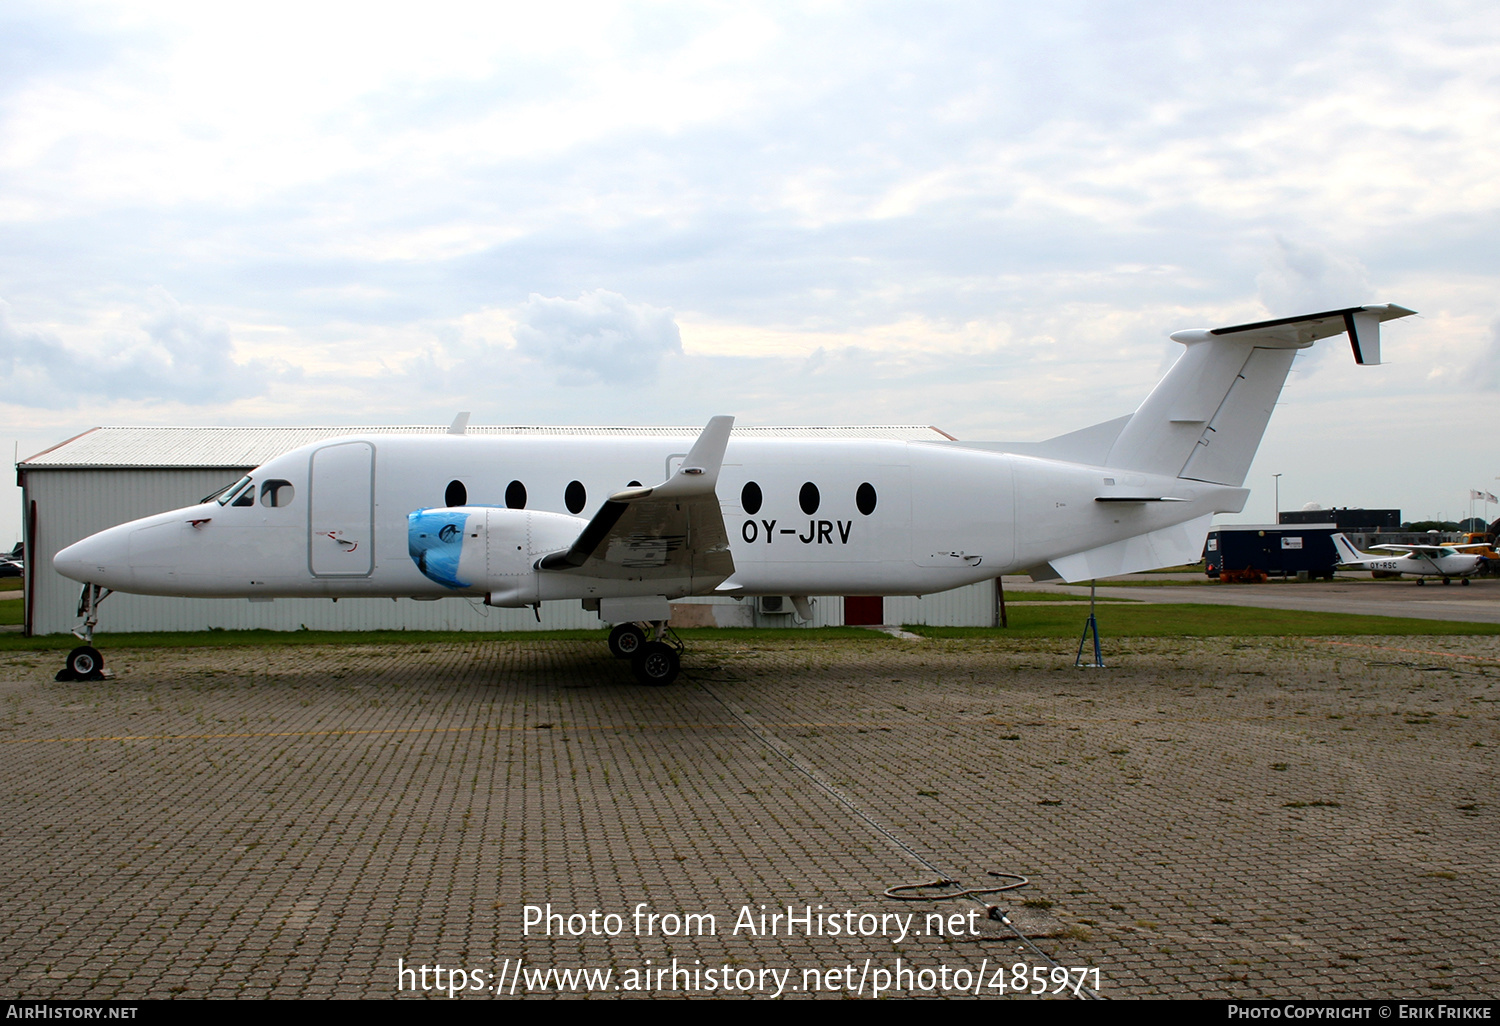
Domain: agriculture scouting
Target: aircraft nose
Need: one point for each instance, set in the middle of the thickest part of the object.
(101, 558)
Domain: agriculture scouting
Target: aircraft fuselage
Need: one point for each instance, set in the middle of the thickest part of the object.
(802, 516)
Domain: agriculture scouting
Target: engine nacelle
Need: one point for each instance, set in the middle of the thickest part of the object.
(481, 548)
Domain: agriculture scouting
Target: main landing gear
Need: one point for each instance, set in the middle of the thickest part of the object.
(653, 660)
(85, 662)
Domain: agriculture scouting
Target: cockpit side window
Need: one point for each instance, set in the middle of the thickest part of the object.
(276, 493)
(234, 490)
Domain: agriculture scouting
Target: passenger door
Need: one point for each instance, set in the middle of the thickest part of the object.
(341, 510)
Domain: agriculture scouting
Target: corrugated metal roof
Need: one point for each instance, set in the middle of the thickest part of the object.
(246, 447)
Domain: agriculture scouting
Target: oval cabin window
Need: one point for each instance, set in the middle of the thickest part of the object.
(515, 495)
(456, 495)
(575, 496)
(750, 498)
(809, 498)
(864, 498)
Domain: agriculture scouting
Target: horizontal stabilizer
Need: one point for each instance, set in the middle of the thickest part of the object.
(1360, 323)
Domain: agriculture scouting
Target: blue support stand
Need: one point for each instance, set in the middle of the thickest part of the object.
(1091, 627)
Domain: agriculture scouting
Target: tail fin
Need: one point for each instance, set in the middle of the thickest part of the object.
(1346, 550)
(1205, 419)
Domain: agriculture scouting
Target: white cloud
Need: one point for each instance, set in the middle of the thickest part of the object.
(1485, 370)
(1302, 278)
(597, 337)
(176, 355)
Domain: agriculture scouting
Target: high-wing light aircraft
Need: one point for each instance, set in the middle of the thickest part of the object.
(384, 516)
(1445, 561)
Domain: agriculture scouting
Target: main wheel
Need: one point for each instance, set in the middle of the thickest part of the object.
(85, 663)
(1464, 582)
(656, 663)
(1421, 581)
(1446, 581)
(626, 640)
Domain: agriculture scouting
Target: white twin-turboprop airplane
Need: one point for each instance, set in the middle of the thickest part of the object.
(386, 516)
(1423, 561)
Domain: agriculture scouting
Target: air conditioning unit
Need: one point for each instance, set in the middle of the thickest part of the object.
(775, 605)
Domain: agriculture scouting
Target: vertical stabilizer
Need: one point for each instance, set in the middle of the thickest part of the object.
(1205, 419)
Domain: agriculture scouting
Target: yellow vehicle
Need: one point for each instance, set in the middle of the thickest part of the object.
(1491, 563)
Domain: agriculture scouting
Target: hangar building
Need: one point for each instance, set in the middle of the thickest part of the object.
(110, 475)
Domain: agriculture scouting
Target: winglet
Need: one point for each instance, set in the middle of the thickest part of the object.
(699, 473)
(460, 424)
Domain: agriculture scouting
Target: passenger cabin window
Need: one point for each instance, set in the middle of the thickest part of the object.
(864, 498)
(575, 496)
(276, 493)
(808, 498)
(234, 490)
(515, 495)
(751, 498)
(456, 495)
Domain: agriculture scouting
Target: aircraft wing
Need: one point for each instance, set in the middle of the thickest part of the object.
(1413, 550)
(674, 530)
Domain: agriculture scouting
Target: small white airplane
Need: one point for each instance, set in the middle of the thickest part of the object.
(501, 518)
(1423, 561)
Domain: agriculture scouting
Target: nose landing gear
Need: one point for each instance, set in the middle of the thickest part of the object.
(85, 662)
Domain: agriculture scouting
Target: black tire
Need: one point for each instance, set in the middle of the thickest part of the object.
(1446, 581)
(656, 664)
(1421, 581)
(626, 640)
(1464, 582)
(85, 663)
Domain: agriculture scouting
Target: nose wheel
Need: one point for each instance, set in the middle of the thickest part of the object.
(84, 663)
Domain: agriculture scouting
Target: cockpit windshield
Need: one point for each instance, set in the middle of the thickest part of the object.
(233, 490)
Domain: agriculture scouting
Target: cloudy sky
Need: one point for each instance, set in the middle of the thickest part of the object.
(982, 216)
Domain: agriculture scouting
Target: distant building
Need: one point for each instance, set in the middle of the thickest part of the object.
(1346, 518)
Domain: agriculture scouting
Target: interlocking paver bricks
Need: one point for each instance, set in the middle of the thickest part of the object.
(1229, 818)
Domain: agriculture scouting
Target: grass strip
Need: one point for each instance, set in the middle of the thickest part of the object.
(1194, 621)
